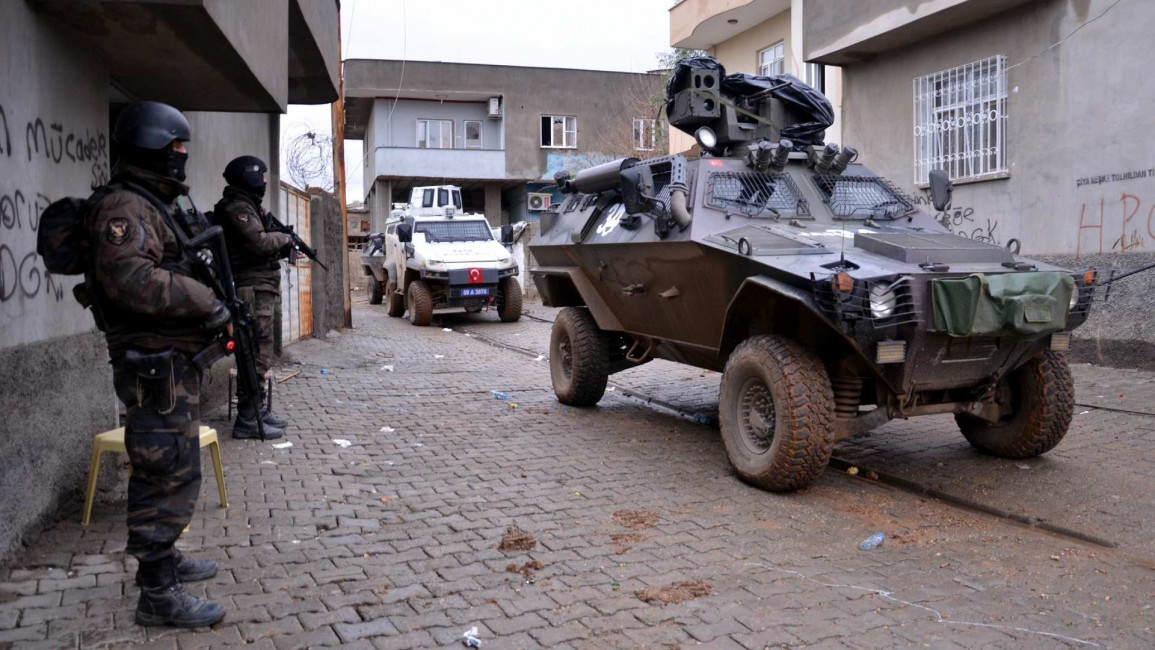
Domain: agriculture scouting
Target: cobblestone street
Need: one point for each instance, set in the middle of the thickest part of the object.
(615, 527)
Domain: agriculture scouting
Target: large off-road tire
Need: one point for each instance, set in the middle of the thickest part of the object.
(420, 303)
(578, 359)
(776, 409)
(508, 300)
(394, 302)
(373, 290)
(1042, 393)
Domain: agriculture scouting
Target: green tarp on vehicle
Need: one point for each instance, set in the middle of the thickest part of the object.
(1002, 304)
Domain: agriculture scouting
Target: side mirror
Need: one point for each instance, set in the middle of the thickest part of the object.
(507, 234)
(404, 233)
(941, 190)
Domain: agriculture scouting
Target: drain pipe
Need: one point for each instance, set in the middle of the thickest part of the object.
(678, 205)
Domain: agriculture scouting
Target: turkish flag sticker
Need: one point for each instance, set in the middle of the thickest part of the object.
(475, 276)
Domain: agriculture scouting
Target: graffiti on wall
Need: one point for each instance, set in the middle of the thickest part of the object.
(22, 273)
(962, 221)
(1115, 225)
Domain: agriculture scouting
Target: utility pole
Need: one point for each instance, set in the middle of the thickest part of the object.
(339, 174)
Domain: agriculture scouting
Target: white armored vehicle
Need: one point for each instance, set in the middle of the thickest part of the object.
(432, 256)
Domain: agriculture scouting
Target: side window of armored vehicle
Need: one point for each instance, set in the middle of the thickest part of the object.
(442, 198)
(427, 199)
(755, 194)
(457, 199)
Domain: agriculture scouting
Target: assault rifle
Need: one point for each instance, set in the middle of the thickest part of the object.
(244, 341)
(275, 225)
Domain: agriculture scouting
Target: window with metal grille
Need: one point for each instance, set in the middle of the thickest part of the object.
(645, 134)
(449, 231)
(960, 121)
(754, 193)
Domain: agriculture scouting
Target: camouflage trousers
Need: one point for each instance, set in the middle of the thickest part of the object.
(263, 305)
(162, 436)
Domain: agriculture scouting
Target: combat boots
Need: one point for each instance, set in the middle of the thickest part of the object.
(271, 420)
(188, 570)
(245, 426)
(163, 601)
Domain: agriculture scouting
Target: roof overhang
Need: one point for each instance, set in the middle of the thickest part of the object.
(313, 62)
(833, 37)
(702, 24)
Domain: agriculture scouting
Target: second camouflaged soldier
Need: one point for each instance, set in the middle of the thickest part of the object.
(254, 254)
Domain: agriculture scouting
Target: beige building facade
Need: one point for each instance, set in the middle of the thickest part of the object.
(755, 37)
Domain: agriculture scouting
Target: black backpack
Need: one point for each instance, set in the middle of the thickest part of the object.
(61, 239)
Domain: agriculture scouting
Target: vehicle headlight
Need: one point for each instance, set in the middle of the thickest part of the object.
(882, 301)
(1074, 296)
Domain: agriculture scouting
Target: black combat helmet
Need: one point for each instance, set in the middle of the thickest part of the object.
(150, 125)
(146, 131)
(247, 173)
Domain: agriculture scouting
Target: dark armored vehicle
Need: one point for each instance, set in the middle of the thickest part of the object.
(827, 299)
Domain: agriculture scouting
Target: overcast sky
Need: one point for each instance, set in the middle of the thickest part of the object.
(623, 35)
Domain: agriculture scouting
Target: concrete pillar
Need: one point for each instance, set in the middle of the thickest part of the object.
(382, 203)
(493, 204)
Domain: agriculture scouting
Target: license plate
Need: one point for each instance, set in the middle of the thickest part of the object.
(470, 293)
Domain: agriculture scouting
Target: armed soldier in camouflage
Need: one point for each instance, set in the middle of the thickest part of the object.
(254, 255)
(156, 317)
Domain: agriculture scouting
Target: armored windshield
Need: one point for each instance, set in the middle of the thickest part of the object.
(862, 197)
(755, 194)
(453, 231)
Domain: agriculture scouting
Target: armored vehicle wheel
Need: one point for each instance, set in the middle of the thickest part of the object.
(394, 302)
(578, 358)
(776, 409)
(509, 300)
(1041, 394)
(420, 303)
(373, 289)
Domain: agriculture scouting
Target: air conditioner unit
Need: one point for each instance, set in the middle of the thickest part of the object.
(539, 201)
(494, 107)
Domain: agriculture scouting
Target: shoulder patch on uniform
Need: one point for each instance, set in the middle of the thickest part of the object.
(116, 231)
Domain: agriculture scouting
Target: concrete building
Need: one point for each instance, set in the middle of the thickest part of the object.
(66, 69)
(1041, 112)
(753, 36)
(499, 132)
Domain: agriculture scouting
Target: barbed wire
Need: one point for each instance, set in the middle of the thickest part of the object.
(309, 160)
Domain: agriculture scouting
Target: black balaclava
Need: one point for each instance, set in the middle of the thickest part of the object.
(166, 162)
(247, 173)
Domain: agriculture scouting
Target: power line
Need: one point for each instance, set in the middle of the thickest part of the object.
(349, 36)
(1064, 39)
(404, 47)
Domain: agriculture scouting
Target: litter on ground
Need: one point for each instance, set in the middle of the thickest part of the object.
(342, 443)
(283, 445)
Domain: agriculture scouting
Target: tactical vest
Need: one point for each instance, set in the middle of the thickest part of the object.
(241, 259)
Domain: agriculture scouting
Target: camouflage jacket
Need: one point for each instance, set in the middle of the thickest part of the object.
(143, 297)
(253, 252)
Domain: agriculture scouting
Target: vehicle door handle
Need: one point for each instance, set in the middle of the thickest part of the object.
(634, 289)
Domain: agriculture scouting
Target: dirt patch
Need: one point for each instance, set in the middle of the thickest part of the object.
(526, 570)
(679, 592)
(636, 519)
(625, 541)
(516, 539)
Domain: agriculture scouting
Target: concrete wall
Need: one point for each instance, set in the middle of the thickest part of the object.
(56, 386)
(439, 165)
(1082, 177)
(329, 287)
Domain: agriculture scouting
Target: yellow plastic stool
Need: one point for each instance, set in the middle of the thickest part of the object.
(114, 441)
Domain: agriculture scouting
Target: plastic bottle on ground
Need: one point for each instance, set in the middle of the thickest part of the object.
(872, 542)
